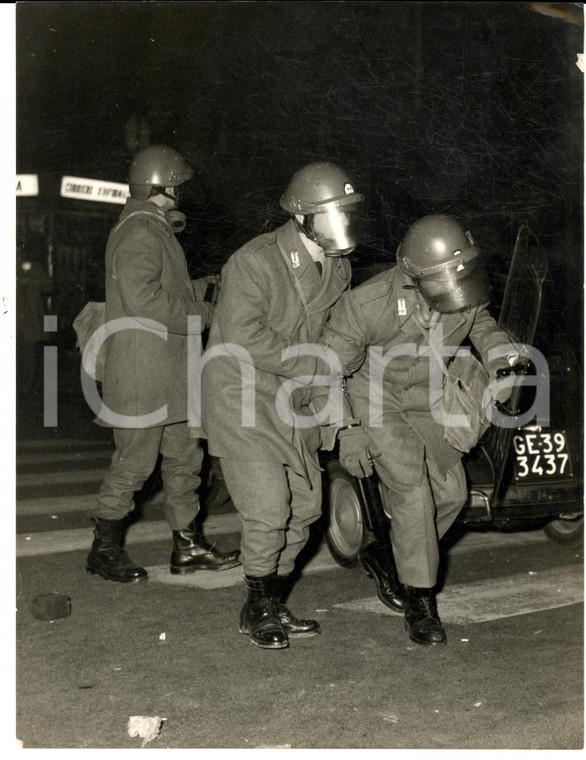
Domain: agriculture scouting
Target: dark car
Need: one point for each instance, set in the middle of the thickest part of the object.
(520, 476)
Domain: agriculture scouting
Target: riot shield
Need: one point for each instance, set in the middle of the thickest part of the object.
(519, 315)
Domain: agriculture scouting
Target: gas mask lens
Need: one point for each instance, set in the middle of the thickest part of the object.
(456, 289)
(335, 230)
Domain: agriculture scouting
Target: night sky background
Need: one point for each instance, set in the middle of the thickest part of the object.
(472, 109)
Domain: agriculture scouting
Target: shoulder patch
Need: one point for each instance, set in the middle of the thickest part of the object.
(142, 222)
(371, 291)
(257, 245)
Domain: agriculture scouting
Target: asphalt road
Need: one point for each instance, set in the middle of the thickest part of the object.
(511, 676)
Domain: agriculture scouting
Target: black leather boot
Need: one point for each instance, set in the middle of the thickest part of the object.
(192, 552)
(294, 627)
(421, 618)
(259, 617)
(389, 588)
(107, 557)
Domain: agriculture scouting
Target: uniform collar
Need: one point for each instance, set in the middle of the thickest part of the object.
(300, 261)
(316, 288)
(135, 204)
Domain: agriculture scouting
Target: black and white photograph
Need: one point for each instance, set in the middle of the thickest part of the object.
(295, 336)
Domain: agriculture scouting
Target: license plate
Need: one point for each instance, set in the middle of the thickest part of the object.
(541, 454)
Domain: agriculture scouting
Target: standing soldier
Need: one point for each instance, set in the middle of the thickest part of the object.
(277, 293)
(438, 285)
(145, 373)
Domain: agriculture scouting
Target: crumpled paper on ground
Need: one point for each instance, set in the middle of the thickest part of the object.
(145, 726)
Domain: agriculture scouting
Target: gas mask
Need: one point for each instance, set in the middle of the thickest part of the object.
(175, 218)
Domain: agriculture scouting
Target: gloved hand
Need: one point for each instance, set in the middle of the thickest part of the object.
(356, 448)
(501, 388)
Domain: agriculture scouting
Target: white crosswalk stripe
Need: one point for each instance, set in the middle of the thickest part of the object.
(56, 478)
(52, 465)
(57, 541)
(62, 443)
(58, 505)
(487, 600)
(64, 456)
(460, 604)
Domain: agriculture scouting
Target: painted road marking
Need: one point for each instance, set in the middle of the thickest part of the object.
(63, 456)
(494, 599)
(63, 443)
(322, 560)
(66, 444)
(57, 541)
(60, 477)
(60, 505)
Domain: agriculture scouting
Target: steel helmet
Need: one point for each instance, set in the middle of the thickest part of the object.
(443, 261)
(317, 185)
(323, 194)
(157, 166)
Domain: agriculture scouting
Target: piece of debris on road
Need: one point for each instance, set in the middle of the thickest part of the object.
(146, 726)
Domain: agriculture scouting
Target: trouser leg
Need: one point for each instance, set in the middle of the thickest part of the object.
(260, 492)
(413, 534)
(132, 463)
(420, 515)
(449, 493)
(276, 507)
(305, 509)
(182, 459)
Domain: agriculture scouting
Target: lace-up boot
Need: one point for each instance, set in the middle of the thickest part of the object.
(192, 552)
(107, 557)
(422, 621)
(294, 627)
(259, 617)
(389, 589)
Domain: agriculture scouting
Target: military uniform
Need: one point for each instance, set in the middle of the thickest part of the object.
(145, 375)
(421, 472)
(272, 298)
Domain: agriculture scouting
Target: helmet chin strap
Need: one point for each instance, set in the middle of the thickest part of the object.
(163, 191)
(304, 227)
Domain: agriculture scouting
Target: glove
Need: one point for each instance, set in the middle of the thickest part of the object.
(501, 388)
(356, 448)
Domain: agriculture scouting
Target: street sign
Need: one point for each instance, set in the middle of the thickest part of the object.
(94, 190)
(27, 184)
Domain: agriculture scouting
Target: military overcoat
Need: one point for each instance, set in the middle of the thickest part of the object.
(378, 317)
(147, 281)
(272, 299)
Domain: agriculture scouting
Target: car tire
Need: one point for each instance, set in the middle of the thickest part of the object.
(346, 532)
(567, 530)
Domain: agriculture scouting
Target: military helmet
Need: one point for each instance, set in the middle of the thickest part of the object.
(317, 186)
(443, 261)
(324, 196)
(157, 166)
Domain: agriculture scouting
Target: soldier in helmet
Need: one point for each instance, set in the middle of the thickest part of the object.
(145, 373)
(437, 288)
(277, 293)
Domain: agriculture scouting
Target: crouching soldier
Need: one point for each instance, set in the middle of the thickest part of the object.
(381, 332)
